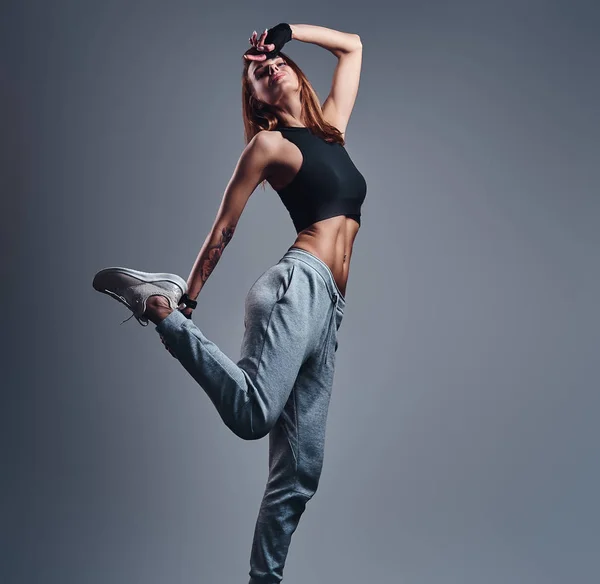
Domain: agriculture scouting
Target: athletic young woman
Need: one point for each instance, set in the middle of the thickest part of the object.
(281, 385)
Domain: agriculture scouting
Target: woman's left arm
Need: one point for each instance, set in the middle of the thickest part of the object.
(347, 47)
(333, 40)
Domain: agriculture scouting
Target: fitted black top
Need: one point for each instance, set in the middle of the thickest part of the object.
(327, 184)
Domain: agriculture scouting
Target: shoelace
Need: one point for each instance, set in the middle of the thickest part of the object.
(143, 323)
(142, 320)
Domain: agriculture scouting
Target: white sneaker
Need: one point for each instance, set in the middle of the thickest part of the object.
(133, 288)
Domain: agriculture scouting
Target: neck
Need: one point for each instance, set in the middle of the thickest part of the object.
(290, 112)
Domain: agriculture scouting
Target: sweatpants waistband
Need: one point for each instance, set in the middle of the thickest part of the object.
(320, 266)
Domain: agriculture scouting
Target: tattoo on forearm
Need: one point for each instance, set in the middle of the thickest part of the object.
(214, 252)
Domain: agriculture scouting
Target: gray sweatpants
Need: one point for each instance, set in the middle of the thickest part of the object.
(280, 386)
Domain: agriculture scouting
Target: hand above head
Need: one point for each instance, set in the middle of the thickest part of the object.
(269, 43)
(258, 51)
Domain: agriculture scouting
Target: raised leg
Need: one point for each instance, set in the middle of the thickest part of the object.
(250, 394)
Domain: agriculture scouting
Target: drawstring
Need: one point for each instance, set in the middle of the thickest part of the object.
(332, 321)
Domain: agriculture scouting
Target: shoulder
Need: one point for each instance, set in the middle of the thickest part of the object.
(264, 152)
(262, 148)
(266, 140)
(268, 144)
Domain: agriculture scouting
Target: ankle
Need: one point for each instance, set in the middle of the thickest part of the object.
(157, 301)
(157, 308)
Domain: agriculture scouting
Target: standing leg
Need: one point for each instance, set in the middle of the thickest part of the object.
(296, 453)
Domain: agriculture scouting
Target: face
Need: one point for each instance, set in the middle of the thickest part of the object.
(271, 78)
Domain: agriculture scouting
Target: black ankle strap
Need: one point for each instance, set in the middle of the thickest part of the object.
(188, 301)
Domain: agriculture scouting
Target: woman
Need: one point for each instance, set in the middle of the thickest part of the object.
(281, 385)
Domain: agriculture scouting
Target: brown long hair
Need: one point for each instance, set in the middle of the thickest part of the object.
(258, 116)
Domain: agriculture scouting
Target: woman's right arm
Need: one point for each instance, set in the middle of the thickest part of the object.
(252, 168)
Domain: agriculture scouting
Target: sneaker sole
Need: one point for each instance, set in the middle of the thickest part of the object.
(142, 276)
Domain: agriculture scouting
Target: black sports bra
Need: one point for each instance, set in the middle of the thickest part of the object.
(327, 184)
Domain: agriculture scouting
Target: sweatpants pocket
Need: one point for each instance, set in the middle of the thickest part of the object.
(285, 285)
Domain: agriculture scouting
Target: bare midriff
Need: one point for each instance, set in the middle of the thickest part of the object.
(331, 241)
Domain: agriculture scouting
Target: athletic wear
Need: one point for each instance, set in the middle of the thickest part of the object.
(327, 184)
(281, 386)
(278, 35)
(133, 288)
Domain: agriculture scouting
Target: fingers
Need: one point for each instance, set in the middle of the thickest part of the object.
(258, 43)
(252, 57)
(262, 37)
(259, 57)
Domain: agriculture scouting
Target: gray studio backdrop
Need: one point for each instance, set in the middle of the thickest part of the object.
(462, 443)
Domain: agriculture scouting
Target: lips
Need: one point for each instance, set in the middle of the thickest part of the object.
(276, 77)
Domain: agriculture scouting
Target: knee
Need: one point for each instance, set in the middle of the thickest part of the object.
(249, 435)
(256, 423)
(250, 422)
(251, 431)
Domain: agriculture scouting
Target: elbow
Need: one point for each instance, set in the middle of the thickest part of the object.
(354, 44)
